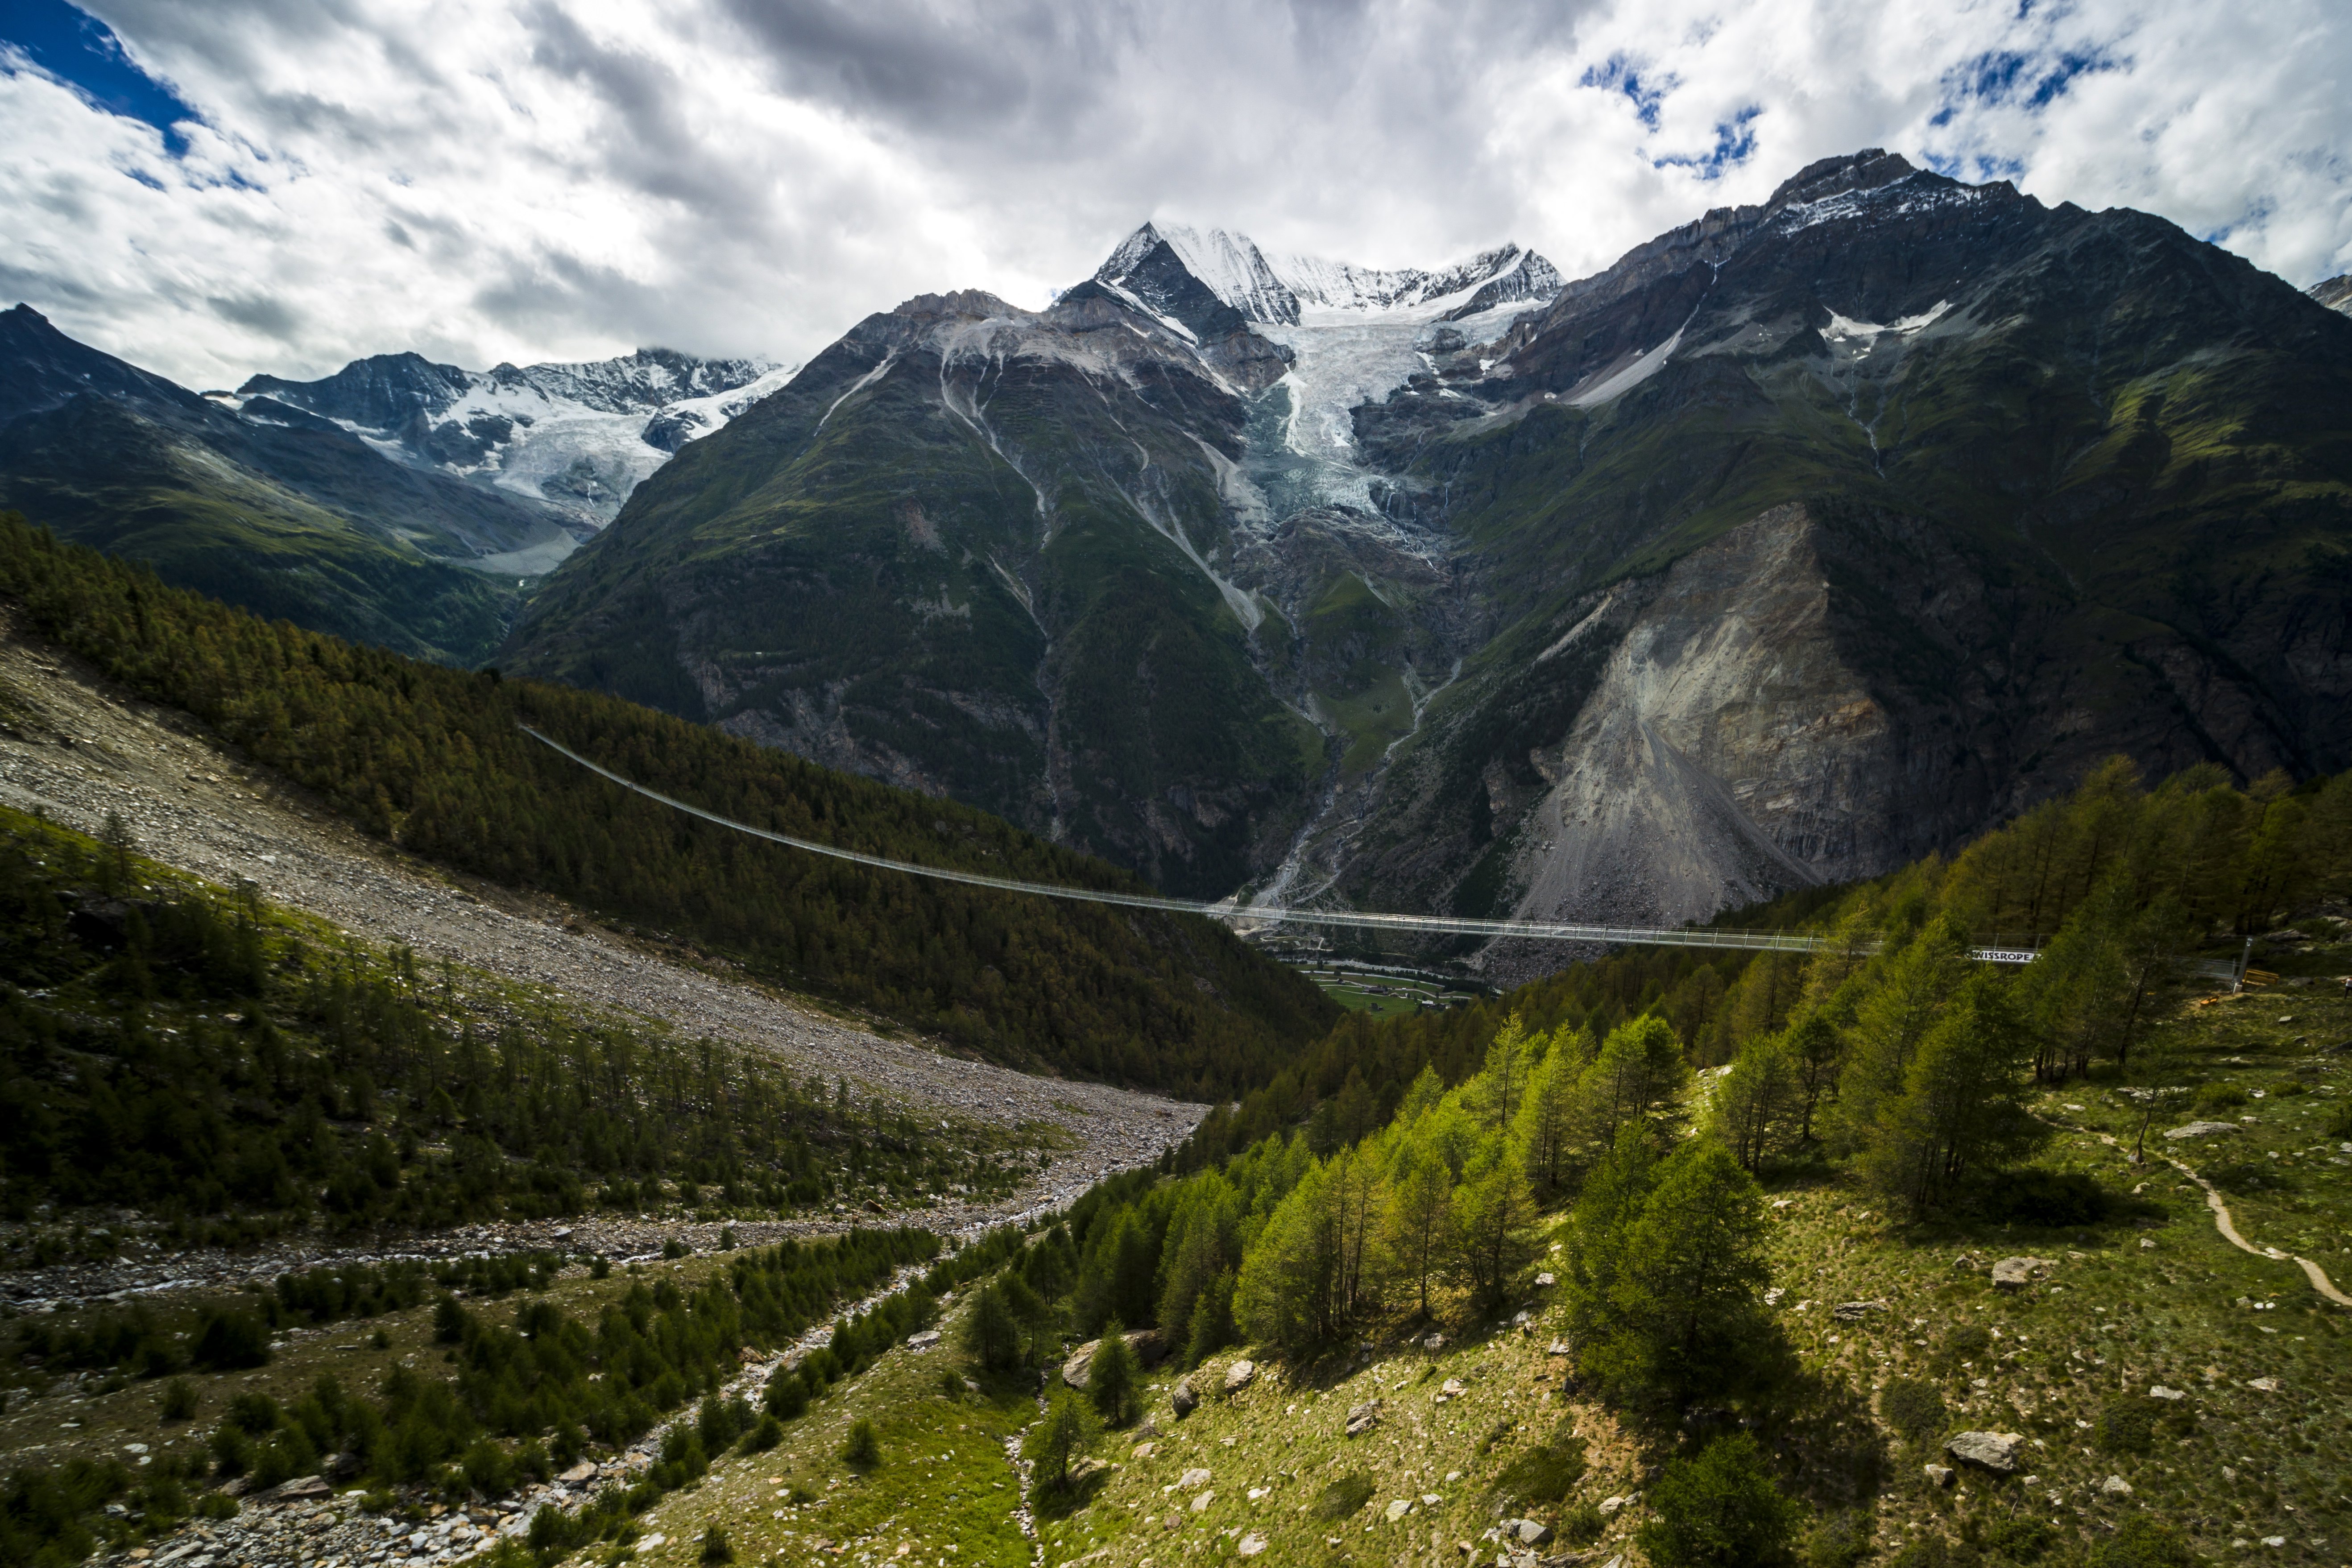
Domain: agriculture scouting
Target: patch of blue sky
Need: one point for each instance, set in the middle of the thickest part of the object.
(1735, 143)
(2030, 79)
(75, 47)
(1623, 74)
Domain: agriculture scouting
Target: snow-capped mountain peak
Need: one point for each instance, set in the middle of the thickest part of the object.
(1272, 290)
(579, 437)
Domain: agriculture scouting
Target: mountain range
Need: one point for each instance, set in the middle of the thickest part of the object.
(1806, 539)
(398, 502)
(575, 437)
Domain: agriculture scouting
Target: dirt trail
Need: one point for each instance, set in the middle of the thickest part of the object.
(76, 747)
(2225, 1223)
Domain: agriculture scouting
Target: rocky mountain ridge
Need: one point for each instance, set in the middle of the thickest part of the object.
(262, 504)
(577, 437)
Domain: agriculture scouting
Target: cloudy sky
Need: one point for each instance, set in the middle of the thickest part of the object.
(283, 184)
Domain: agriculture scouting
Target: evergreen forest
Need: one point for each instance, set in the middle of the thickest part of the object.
(432, 760)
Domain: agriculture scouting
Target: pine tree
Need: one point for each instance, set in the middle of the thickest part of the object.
(1687, 1307)
(1414, 1228)
(990, 1335)
(1112, 1376)
(1491, 1216)
(1963, 1103)
(1066, 1429)
(1758, 1105)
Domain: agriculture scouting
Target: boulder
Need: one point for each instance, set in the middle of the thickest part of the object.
(2115, 1485)
(1192, 1478)
(1398, 1508)
(1181, 1398)
(1994, 1451)
(1940, 1475)
(2016, 1273)
(1434, 1342)
(1525, 1532)
(1239, 1376)
(1086, 1469)
(1558, 1347)
(2202, 1130)
(1854, 1311)
(585, 1471)
(2161, 1392)
(1250, 1545)
(1362, 1418)
(300, 1488)
(1611, 1506)
(1145, 1450)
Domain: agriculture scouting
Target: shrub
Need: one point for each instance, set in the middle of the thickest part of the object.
(675, 1247)
(1840, 1541)
(2048, 1198)
(2141, 1543)
(1582, 1525)
(862, 1451)
(1343, 1497)
(179, 1401)
(1721, 1510)
(450, 1320)
(1934, 1552)
(763, 1436)
(1964, 1342)
(2126, 1424)
(1914, 1408)
(600, 1268)
(232, 1451)
(488, 1469)
(1547, 1472)
(787, 1396)
(715, 1547)
(230, 1340)
(254, 1413)
(2023, 1538)
(2219, 1096)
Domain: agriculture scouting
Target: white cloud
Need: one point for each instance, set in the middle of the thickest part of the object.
(521, 179)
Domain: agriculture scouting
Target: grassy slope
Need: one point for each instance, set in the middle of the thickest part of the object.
(946, 1484)
(206, 523)
(2151, 1296)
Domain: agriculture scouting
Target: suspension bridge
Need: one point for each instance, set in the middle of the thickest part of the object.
(1232, 912)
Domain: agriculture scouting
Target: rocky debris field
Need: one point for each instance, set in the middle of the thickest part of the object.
(74, 747)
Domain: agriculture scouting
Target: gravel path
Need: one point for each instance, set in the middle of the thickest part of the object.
(78, 748)
(2224, 1223)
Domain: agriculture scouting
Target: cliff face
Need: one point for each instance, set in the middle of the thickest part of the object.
(1726, 752)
